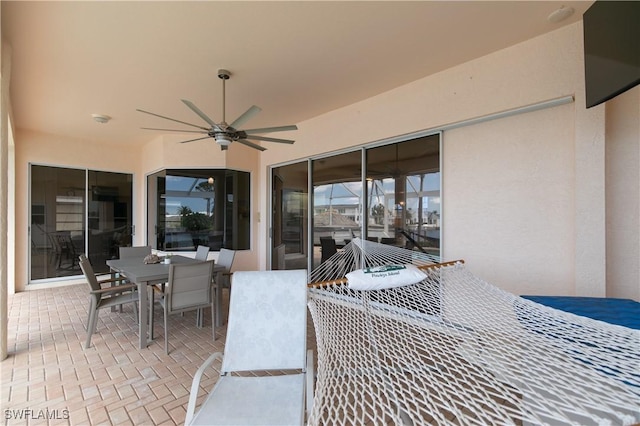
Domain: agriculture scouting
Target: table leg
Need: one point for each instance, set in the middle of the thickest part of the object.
(151, 297)
(144, 314)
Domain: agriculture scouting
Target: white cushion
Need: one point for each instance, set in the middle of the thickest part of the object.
(386, 276)
(266, 401)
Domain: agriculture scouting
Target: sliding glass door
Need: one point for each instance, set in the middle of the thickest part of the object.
(110, 222)
(290, 220)
(403, 194)
(73, 212)
(337, 203)
(396, 201)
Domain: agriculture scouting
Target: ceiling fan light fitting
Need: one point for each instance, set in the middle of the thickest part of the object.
(223, 140)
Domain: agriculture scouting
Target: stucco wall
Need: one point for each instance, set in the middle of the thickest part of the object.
(567, 152)
(508, 200)
(537, 70)
(623, 195)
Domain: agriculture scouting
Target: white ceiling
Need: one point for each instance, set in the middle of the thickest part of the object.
(294, 59)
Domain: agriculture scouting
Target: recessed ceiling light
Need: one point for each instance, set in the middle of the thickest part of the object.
(560, 14)
(101, 118)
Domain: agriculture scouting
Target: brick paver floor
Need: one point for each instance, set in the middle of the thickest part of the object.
(50, 378)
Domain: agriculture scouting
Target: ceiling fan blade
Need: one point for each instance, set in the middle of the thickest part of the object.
(197, 110)
(252, 145)
(266, 139)
(248, 115)
(173, 119)
(271, 129)
(197, 139)
(174, 130)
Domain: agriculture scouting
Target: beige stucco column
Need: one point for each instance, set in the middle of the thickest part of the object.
(5, 65)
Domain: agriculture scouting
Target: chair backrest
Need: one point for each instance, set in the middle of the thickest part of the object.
(267, 326)
(87, 270)
(55, 242)
(279, 254)
(189, 286)
(225, 258)
(137, 251)
(327, 248)
(202, 253)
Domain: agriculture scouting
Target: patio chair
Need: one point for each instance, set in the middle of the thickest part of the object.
(188, 289)
(225, 258)
(202, 252)
(327, 248)
(279, 254)
(267, 331)
(105, 297)
(63, 249)
(132, 252)
(136, 251)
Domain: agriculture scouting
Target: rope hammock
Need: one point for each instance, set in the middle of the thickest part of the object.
(455, 350)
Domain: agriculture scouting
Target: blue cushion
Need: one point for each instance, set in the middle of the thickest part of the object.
(624, 312)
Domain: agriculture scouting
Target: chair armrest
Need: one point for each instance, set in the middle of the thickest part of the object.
(115, 289)
(310, 377)
(195, 386)
(110, 280)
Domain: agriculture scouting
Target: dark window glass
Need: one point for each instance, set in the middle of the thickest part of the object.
(290, 216)
(192, 207)
(69, 218)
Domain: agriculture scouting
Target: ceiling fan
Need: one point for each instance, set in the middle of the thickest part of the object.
(224, 134)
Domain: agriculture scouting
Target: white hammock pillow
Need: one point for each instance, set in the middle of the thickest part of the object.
(386, 276)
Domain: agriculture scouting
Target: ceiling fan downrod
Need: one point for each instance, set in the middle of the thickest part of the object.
(223, 75)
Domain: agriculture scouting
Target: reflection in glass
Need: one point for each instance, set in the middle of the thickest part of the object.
(337, 202)
(57, 221)
(290, 216)
(110, 216)
(59, 216)
(403, 194)
(193, 207)
(400, 205)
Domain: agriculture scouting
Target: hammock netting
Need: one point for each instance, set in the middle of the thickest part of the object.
(453, 349)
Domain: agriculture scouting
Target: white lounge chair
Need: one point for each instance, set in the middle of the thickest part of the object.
(267, 332)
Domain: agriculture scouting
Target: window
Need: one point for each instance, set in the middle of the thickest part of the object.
(397, 203)
(192, 207)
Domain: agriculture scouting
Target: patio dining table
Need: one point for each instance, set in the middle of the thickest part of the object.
(144, 275)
